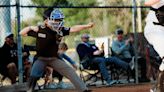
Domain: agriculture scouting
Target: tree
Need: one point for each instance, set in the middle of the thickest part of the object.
(114, 17)
(73, 16)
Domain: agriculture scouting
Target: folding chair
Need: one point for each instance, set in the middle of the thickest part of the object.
(117, 72)
(91, 74)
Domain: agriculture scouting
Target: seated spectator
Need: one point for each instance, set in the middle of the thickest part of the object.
(8, 53)
(26, 62)
(96, 56)
(62, 49)
(51, 73)
(120, 47)
(124, 49)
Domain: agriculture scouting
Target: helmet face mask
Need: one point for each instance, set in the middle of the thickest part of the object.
(55, 21)
(55, 25)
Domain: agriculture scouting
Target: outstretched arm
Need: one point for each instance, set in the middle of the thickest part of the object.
(78, 28)
(73, 63)
(24, 31)
(151, 2)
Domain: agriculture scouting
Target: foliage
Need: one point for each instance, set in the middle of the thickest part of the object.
(72, 16)
(106, 19)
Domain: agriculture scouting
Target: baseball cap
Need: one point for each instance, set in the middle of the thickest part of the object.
(85, 36)
(119, 31)
(9, 35)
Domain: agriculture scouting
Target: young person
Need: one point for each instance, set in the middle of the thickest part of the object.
(48, 38)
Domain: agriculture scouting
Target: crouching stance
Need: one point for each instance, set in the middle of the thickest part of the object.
(48, 37)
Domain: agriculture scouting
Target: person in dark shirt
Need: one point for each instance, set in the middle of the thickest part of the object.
(86, 49)
(8, 53)
(26, 62)
(48, 37)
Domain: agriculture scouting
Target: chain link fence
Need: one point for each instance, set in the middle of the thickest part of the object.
(108, 15)
(107, 18)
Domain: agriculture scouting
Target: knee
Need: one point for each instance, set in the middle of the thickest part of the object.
(102, 63)
(100, 60)
(11, 65)
(36, 73)
(115, 59)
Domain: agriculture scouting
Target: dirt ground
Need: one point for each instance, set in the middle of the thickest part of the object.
(122, 88)
(126, 87)
(116, 88)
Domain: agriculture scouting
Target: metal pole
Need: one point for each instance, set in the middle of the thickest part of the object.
(5, 21)
(139, 16)
(134, 11)
(20, 65)
(105, 20)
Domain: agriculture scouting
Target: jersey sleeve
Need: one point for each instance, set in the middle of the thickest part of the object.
(32, 33)
(65, 31)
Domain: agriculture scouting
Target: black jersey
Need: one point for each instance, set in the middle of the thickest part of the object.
(47, 41)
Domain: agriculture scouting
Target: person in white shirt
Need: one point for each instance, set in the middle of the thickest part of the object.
(154, 33)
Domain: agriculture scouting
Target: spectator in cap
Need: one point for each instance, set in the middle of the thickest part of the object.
(8, 53)
(120, 46)
(85, 36)
(124, 49)
(96, 57)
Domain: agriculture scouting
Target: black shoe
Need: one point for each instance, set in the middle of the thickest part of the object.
(143, 80)
(87, 91)
(32, 83)
(21, 91)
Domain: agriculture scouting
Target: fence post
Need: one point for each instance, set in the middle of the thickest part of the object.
(19, 43)
(134, 13)
(139, 16)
